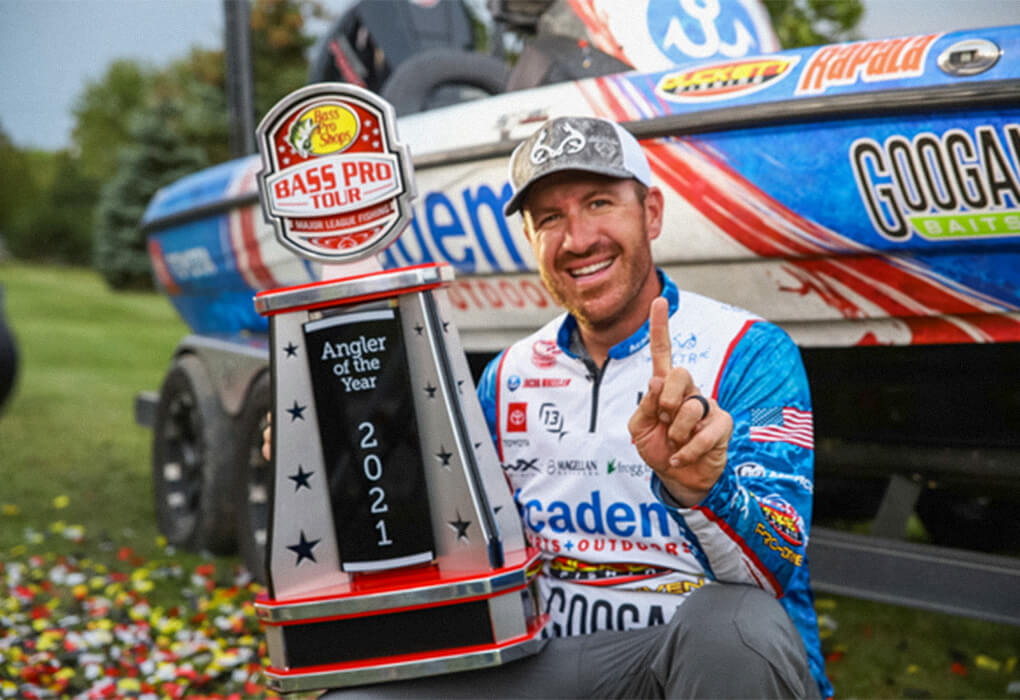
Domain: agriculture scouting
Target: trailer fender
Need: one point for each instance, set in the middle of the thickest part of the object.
(232, 364)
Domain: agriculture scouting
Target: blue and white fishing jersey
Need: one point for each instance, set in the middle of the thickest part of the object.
(616, 555)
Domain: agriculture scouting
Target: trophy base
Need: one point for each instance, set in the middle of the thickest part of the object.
(418, 622)
(395, 668)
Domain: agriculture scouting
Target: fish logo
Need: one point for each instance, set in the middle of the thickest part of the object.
(300, 136)
(324, 129)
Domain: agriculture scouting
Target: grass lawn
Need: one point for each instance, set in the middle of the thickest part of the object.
(92, 598)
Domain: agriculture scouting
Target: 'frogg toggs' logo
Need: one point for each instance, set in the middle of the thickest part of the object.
(942, 186)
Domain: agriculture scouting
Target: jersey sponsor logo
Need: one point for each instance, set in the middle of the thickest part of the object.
(628, 548)
(523, 465)
(947, 186)
(543, 353)
(576, 467)
(614, 466)
(546, 383)
(552, 419)
(864, 61)
(594, 517)
(575, 613)
(676, 587)
(777, 546)
(570, 569)
(517, 417)
(516, 442)
(783, 518)
(753, 470)
(724, 81)
(513, 382)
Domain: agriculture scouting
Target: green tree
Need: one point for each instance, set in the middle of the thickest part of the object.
(812, 22)
(197, 84)
(278, 47)
(59, 227)
(156, 157)
(103, 113)
(164, 124)
(19, 190)
(45, 204)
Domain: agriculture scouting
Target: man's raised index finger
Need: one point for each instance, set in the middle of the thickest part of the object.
(658, 337)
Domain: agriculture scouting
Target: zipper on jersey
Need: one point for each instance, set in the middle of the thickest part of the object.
(595, 377)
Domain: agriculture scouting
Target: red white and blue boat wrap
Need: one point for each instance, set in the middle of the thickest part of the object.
(854, 194)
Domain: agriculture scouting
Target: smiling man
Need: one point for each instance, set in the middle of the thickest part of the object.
(659, 447)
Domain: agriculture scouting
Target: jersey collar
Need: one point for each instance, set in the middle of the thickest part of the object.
(628, 346)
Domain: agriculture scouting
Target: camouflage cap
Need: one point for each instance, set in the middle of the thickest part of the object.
(575, 143)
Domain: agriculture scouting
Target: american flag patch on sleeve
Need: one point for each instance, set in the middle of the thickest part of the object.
(782, 424)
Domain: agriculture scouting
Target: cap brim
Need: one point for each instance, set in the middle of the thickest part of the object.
(516, 202)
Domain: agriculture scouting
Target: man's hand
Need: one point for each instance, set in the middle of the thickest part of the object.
(267, 438)
(684, 439)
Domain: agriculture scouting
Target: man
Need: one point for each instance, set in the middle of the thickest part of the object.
(662, 460)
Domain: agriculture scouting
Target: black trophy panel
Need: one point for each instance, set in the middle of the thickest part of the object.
(370, 440)
(407, 632)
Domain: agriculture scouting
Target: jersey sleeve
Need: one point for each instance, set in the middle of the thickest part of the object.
(752, 527)
(487, 395)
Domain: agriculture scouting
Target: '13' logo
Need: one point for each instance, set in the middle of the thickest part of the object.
(552, 419)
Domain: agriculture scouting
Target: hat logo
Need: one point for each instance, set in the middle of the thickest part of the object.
(573, 142)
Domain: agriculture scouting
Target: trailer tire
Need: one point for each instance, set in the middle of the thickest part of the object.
(193, 478)
(256, 482)
(413, 86)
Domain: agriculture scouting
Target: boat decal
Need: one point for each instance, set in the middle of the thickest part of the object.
(865, 61)
(245, 244)
(943, 187)
(724, 81)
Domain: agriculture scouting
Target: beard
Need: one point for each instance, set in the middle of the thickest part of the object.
(627, 283)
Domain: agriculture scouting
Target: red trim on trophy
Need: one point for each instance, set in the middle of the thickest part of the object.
(392, 611)
(398, 582)
(355, 299)
(320, 283)
(534, 627)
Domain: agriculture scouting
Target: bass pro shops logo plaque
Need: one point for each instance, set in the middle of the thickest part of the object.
(335, 183)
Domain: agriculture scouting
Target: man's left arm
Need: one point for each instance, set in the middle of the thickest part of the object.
(752, 525)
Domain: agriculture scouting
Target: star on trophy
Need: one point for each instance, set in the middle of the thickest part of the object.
(395, 549)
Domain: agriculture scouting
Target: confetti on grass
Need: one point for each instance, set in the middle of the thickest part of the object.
(72, 627)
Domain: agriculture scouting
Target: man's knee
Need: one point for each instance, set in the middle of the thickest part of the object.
(723, 627)
(705, 609)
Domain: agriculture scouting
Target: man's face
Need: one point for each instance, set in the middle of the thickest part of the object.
(592, 236)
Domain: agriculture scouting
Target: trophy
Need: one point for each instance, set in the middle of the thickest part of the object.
(395, 549)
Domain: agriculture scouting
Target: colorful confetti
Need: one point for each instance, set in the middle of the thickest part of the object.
(73, 627)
